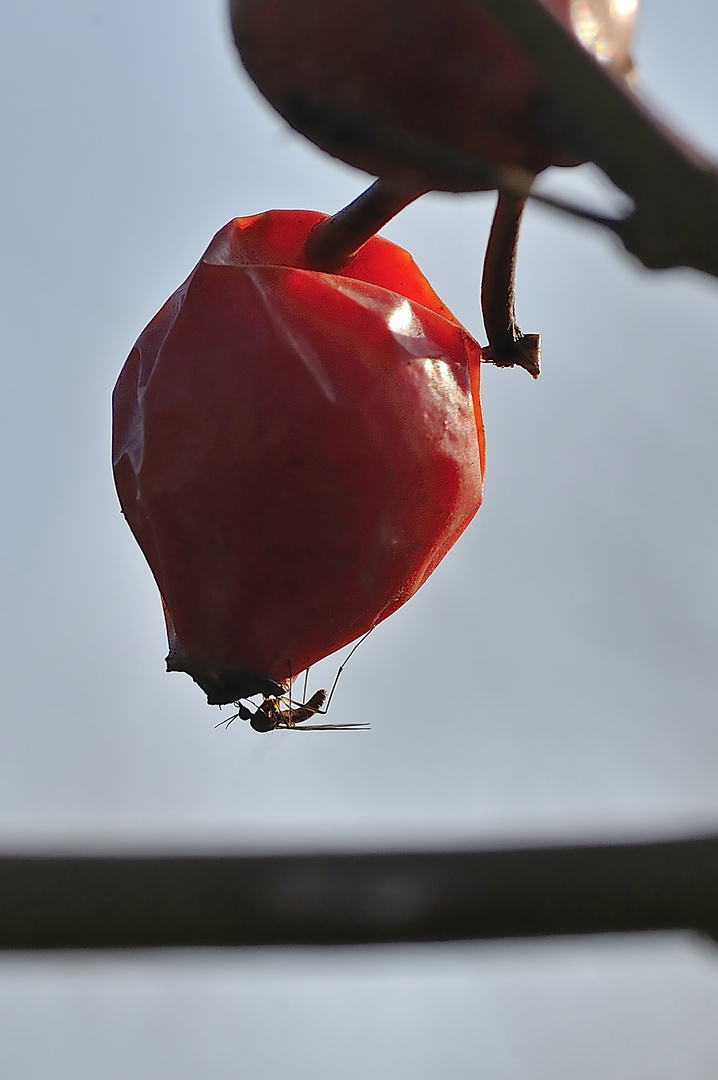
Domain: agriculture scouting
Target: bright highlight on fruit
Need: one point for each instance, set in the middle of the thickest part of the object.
(605, 28)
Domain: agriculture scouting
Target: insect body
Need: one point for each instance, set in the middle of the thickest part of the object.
(275, 712)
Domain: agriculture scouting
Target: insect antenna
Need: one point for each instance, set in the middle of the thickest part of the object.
(242, 712)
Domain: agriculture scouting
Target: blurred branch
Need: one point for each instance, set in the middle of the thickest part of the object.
(120, 902)
(672, 184)
(674, 187)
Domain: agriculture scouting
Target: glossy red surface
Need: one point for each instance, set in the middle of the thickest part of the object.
(294, 451)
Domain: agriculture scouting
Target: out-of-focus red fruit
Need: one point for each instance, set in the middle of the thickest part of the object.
(432, 69)
(294, 451)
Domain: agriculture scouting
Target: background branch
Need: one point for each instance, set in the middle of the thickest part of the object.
(70, 903)
(674, 187)
(672, 184)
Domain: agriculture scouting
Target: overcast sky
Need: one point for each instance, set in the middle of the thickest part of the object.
(555, 678)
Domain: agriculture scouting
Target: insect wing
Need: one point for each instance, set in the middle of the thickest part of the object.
(330, 727)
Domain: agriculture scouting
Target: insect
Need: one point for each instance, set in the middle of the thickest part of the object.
(276, 712)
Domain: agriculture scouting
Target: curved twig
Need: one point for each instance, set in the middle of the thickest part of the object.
(507, 347)
(333, 242)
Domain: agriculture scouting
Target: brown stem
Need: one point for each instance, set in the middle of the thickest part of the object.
(333, 242)
(507, 345)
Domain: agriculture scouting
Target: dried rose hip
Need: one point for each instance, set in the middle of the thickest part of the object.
(429, 69)
(294, 451)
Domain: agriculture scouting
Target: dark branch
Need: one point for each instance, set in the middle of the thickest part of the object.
(70, 903)
(673, 185)
(507, 347)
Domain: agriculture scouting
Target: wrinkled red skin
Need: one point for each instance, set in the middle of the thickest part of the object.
(295, 452)
(437, 69)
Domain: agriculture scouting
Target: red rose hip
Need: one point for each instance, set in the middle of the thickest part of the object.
(294, 451)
